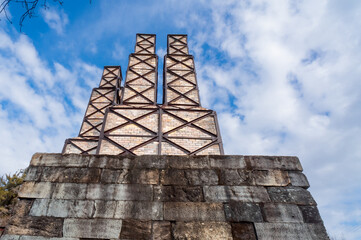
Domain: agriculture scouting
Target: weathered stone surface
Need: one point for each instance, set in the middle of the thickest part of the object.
(36, 190)
(39, 207)
(120, 192)
(35, 226)
(144, 176)
(158, 162)
(111, 176)
(136, 192)
(135, 229)
(273, 162)
(178, 194)
(231, 177)
(298, 179)
(92, 228)
(104, 209)
(201, 177)
(173, 177)
(281, 213)
(243, 231)
(70, 208)
(112, 162)
(139, 210)
(193, 211)
(286, 231)
(202, 230)
(269, 178)
(224, 162)
(33, 174)
(101, 191)
(71, 175)
(310, 214)
(243, 212)
(10, 237)
(236, 193)
(62, 208)
(68, 160)
(162, 230)
(183, 162)
(70, 191)
(294, 195)
(317, 231)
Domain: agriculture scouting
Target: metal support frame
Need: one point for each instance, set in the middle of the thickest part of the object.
(180, 70)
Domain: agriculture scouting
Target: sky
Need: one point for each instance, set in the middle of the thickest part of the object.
(283, 76)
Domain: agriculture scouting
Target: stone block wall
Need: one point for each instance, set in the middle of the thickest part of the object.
(77, 197)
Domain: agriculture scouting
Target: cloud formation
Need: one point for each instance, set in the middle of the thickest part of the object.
(41, 102)
(56, 20)
(282, 75)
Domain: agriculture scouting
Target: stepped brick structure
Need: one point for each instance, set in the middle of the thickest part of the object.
(119, 180)
(132, 123)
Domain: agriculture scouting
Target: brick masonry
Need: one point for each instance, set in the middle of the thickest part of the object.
(128, 120)
(78, 197)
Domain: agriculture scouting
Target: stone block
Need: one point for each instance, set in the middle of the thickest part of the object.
(277, 212)
(202, 230)
(101, 191)
(144, 176)
(71, 175)
(33, 174)
(269, 178)
(231, 177)
(136, 192)
(162, 230)
(295, 195)
(153, 161)
(178, 194)
(36, 190)
(70, 208)
(81, 175)
(39, 207)
(201, 177)
(35, 226)
(10, 237)
(317, 231)
(243, 212)
(193, 211)
(112, 162)
(139, 210)
(111, 176)
(229, 161)
(173, 177)
(92, 228)
(243, 231)
(104, 209)
(273, 162)
(70, 191)
(236, 193)
(136, 229)
(310, 214)
(59, 160)
(184, 162)
(298, 179)
(286, 231)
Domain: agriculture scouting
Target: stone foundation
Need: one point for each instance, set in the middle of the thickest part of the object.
(165, 197)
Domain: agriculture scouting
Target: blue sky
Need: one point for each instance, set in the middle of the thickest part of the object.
(283, 76)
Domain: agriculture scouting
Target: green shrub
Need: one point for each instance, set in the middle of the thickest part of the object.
(9, 185)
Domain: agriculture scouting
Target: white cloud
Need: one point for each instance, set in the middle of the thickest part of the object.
(40, 105)
(290, 86)
(56, 20)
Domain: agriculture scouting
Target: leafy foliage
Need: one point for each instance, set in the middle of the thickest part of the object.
(9, 185)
